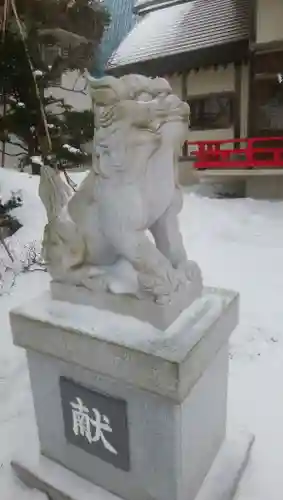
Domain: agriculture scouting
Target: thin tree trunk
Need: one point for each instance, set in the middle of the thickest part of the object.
(33, 151)
(3, 157)
(3, 37)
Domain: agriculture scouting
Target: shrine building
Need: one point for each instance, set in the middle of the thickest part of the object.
(225, 58)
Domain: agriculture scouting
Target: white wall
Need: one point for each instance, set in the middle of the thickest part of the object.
(205, 81)
(176, 84)
(269, 21)
(79, 99)
(209, 81)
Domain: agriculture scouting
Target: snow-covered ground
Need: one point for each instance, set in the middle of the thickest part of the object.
(239, 245)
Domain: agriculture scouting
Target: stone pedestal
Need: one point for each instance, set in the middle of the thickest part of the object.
(136, 411)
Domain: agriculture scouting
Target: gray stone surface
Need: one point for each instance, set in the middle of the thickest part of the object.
(265, 187)
(174, 384)
(171, 445)
(160, 316)
(227, 470)
(167, 363)
(61, 484)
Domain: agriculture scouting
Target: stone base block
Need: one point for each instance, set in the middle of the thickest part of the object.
(61, 484)
(265, 187)
(159, 315)
(138, 411)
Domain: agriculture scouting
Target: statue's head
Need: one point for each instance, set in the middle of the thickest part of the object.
(136, 84)
(107, 91)
(140, 84)
(160, 86)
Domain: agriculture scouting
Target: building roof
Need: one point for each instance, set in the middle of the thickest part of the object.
(122, 21)
(186, 35)
(142, 6)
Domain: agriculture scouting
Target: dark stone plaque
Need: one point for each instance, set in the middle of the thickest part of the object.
(96, 422)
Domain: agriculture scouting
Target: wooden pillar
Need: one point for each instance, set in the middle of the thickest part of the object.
(184, 79)
(238, 100)
(184, 90)
(253, 34)
(251, 106)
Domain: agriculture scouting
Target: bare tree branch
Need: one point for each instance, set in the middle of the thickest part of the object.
(77, 91)
(55, 101)
(18, 144)
(73, 89)
(65, 38)
(12, 154)
(69, 180)
(2, 240)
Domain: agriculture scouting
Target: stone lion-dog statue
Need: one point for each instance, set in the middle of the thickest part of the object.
(118, 233)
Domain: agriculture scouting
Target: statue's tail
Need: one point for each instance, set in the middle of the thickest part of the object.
(53, 192)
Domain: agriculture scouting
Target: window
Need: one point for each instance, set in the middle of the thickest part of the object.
(50, 53)
(269, 110)
(213, 111)
(267, 95)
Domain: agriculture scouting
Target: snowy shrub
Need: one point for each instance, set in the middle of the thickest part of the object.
(8, 223)
(31, 259)
(16, 260)
(15, 201)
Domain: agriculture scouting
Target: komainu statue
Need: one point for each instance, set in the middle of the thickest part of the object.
(118, 233)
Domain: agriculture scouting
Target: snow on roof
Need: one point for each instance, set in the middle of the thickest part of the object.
(184, 28)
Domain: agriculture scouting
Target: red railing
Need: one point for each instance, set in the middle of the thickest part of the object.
(241, 153)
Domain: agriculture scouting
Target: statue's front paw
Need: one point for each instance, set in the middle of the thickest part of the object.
(191, 271)
(94, 279)
(97, 284)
